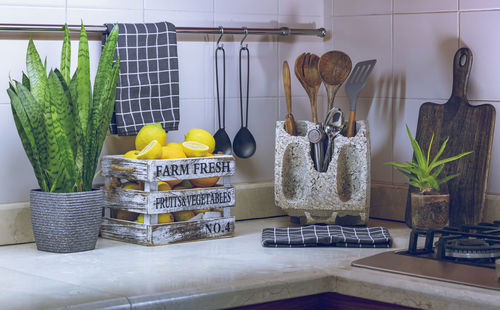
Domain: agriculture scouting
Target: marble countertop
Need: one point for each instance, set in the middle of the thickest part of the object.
(215, 274)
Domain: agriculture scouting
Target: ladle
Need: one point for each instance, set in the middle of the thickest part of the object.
(313, 81)
(244, 145)
(334, 68)
(222, 141)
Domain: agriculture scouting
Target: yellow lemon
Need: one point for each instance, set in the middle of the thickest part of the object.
(140, 218)
(151, 151)
(183, 215)
(133, 186)
(131, 154)
(202, 136)
(177, 145)
(194, 149)
(173, 183)
(165, 218)
(172, 151)
(149, 133)
(163, 186)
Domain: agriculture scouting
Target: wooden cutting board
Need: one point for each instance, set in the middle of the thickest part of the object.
(469, 128)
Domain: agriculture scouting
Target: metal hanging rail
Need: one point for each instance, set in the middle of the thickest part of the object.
(283, 31)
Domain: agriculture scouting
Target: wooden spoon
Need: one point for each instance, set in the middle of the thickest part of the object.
(313, 81)
(334, 68)
(299, 70)
(289, 120)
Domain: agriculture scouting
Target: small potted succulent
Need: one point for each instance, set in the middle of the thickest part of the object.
(430, 207)
(62, 124)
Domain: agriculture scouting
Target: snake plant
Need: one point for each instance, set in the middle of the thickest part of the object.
(423, 171)
(61, 121)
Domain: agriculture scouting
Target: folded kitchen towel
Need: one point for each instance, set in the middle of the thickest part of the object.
(148, 86)
(327, 235)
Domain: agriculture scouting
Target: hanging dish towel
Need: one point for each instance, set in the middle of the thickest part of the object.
(148, 87)
(327, 235)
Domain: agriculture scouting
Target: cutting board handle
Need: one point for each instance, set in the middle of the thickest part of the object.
(462, 64)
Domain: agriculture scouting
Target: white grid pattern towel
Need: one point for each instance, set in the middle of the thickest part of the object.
(327, 235)
(148, 86)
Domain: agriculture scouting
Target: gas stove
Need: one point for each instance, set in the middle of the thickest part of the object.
(466, 255)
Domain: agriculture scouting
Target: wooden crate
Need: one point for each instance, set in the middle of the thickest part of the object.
(152, 202)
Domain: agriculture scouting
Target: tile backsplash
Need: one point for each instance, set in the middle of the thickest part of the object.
(413, 42)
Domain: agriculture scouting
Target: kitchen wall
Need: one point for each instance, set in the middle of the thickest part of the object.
(413, 42)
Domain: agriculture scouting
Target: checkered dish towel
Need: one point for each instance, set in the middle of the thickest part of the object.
(327, 235)
(148, 86)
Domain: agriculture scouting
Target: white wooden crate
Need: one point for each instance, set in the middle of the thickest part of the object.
(152, 202)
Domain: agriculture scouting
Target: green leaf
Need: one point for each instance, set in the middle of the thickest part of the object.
(37, 74)
(416, 149)
(25, 132)
(444, 180)
(26, 81)
(432, 165)
(66, 56)
(429, 150)
(447, 160)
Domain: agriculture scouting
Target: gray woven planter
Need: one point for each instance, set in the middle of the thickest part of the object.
(66, 222)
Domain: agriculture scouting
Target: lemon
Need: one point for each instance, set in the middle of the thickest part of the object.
(172, 151)
(151, 151)
(165, 218)
(140, 218)
(133, 186)
(131, 154)
(163, 186)
(195, 149)
(205, 182)
(173, 183)
(149, 133)
(202, 136)
(183, 215)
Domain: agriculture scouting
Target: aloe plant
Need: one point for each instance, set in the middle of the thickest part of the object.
(61, 121)
(423, 171)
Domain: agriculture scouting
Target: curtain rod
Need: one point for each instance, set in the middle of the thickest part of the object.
(283, 31)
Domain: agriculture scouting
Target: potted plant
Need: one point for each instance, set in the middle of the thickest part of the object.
(62, 124)
(430, 207)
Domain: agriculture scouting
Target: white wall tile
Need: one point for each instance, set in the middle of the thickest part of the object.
(180, 5)
(17, 177)
(262, 7)
(479, 4)
(39, 3)
(32, 15)
(412, 6)
(424, 46)
(102, 16)
(261, 123)
(361, 7)
(369, 37)
(479, 31)
(194, 114)
(303, 8)
(106, 4)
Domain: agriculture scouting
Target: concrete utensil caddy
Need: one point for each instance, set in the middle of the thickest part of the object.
(341, 195)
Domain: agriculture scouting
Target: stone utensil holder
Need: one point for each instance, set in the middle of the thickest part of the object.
(341, 195)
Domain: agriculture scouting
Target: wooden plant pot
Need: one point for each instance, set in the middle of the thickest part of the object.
(430, 211)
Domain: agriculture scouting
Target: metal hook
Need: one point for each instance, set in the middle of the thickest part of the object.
(245, 29)
(220, 37)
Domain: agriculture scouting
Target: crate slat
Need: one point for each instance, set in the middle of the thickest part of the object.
(168, 169)
(161, 234)
(170, 201)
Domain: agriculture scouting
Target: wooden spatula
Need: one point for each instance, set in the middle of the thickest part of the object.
(289, 120)
(469, 128)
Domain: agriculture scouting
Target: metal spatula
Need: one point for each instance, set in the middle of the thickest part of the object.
(355, 83)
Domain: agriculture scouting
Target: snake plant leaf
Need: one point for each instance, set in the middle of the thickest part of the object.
(83, 100)
(62, 111)
(37, 74)
(66, 56)
(25, 131)
(26, 81)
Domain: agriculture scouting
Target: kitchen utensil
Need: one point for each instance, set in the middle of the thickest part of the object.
(334, 67)
(313, 81)
(316, 136)
(222, 141)
(333, 127)
(300, 64)
(289, 120)
(244, 145)
(357, 80)
(469, 128)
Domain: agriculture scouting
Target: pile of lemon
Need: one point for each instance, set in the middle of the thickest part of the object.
(151, 143)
